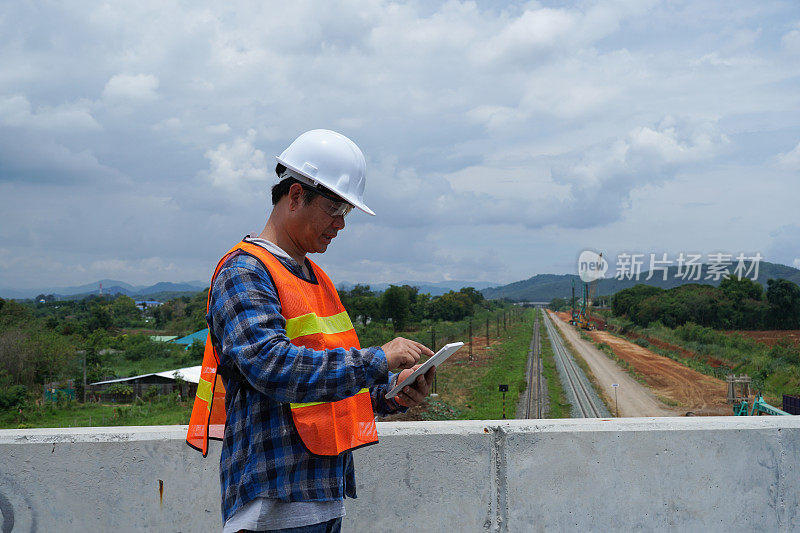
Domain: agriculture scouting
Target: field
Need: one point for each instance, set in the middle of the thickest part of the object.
(468, 390)
(164, 411)
(771, 338)
(687, 388)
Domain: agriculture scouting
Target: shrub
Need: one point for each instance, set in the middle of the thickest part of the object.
(123, 412)
(642, 342)
(120, 390)
(13, 397)
(151, 393)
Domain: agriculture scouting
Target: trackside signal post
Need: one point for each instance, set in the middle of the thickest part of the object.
(504, 390)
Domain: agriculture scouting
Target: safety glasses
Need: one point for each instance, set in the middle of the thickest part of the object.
(334, 206)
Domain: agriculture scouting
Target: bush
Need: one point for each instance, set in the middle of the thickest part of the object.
(123, 412)
(151, 393)
(785, 352)
(13, 397)
(439, 410)
(138, 347)
(120, 391)
(642, 342)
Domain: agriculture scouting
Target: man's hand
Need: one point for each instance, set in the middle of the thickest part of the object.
(404, 353)
(412, 395)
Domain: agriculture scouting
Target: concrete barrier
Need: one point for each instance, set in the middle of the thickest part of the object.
(684, 474)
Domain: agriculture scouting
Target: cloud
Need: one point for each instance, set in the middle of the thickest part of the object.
(15, 111)
(134, 87)
(232, 165)
(488, 128)
(791, 159)
(791, 40)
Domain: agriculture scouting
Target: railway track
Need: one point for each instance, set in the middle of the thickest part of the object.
(535, 392)
(586, 404)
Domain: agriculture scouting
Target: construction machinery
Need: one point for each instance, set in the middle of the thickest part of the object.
(739, 394)
(575, 315)
(760, 407)
(584, 318)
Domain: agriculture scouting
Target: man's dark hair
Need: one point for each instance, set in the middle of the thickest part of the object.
(281, 189)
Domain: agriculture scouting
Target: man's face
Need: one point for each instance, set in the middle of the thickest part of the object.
(316, 228)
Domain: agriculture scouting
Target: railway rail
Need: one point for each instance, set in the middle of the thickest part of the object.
(587, 404)
(534, 403)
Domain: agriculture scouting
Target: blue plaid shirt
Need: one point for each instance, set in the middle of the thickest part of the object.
(262, 454)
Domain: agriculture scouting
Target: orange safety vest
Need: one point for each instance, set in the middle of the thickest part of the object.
(315, 319)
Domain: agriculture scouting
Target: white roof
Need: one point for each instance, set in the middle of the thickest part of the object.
(190, 374)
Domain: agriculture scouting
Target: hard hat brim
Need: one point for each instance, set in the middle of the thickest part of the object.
(309, 180)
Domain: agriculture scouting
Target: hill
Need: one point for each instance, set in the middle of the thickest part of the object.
(110, 287)
(545, 287)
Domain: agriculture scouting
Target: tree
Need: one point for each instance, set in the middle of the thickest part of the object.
(474, 296)
(784, 303)
(451, 306)
(100, 318)
(124, 311)
(626, 301)
(396, 305)
(747, 299)
(361, 303)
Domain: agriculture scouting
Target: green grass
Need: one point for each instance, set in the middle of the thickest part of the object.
(559, 406)
(125, 368)
(471, 390)
(165, 411)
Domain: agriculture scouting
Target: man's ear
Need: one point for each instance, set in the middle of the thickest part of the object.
(295, 196)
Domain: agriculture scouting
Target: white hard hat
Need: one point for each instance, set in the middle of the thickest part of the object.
(327, 158)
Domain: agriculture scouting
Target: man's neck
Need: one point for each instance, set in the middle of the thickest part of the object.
(283, 240)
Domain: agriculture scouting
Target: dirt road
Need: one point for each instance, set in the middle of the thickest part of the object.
(634, 399)
(693, 391)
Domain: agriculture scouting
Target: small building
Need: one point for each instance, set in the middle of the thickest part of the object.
(163, 338)
(64, 390)
(182, 380)
(147, 304)
(196, 336)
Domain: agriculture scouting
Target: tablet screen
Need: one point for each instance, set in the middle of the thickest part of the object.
(437, 359)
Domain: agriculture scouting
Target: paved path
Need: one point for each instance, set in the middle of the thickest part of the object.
(635, 400)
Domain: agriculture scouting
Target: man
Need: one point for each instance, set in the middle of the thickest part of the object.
(299, 391)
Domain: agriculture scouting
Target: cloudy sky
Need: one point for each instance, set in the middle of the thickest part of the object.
(137, 139)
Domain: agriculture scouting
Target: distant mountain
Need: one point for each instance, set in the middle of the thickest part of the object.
(166, 286)
(110, 287)
(545, 287)
(434, 288)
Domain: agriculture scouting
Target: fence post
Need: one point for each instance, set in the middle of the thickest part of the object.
(470, 339)
(433, 348)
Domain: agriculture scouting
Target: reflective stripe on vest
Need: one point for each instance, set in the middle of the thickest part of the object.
(315, 319)
(310, 323)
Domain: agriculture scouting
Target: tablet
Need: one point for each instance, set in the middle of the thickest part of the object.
(437, 359)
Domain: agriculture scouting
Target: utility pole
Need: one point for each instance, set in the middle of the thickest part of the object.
(84, 375)
(470, 339)
(433, 347)
(498, 326)
(487, 331)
